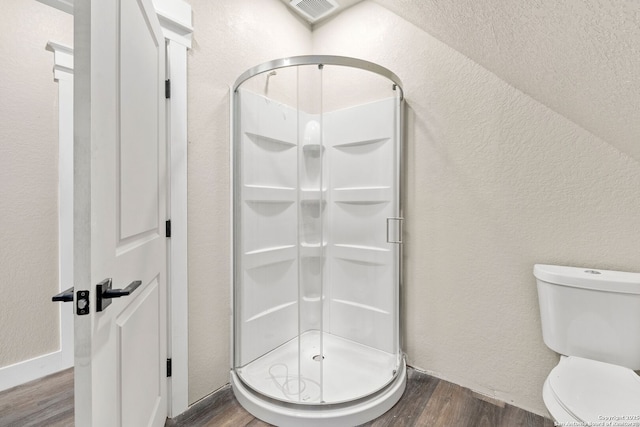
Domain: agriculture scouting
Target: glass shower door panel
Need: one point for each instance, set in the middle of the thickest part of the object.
(362, 141)
(266, 252)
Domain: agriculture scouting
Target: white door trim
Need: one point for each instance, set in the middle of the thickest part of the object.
(177, 244)
(175, 20)
(174, 17)
(46, 364)
(63, 74)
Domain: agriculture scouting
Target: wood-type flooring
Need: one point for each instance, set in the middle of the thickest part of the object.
(427, 401)
(44, 402)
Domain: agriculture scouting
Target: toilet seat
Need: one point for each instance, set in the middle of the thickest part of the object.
(592, 391)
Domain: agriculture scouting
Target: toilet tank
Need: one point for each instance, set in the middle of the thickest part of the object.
(590, 313)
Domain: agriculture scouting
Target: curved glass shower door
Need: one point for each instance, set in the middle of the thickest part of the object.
(317, 233)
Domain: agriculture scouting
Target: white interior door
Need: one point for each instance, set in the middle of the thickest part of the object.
(119, 214)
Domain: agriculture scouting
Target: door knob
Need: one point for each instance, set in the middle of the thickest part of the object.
(104, 292)
(82, 300)
(64, 296)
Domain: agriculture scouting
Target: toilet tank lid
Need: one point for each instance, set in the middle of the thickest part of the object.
(589, 278)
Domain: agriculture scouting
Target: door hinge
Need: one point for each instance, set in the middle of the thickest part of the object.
(167, 89)
(168, 368)
(167, 228)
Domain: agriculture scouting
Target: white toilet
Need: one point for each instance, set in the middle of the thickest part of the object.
(592, 318)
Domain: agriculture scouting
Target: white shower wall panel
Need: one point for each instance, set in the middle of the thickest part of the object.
(363, 285)
(263, 334)
(269, 142)
(316, 192)
(268, 225)
(269, 234)
(360, 228)
(361, 143)
(270, 289)
(362, 174)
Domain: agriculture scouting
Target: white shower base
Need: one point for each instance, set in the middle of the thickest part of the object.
(276, 389)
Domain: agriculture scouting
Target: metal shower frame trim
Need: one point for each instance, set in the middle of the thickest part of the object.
(344, 61)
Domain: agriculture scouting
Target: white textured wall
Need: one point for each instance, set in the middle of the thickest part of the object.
(29, 179)
(230, 37)
(496, 182)
(580, 57)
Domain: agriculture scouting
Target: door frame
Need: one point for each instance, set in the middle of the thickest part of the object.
(176, 22)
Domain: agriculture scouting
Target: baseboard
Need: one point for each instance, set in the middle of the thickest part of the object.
(33, 369)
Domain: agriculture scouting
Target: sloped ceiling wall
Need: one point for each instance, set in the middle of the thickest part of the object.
(580, 58)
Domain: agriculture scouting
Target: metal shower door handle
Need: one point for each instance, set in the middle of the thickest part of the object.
(398, 238)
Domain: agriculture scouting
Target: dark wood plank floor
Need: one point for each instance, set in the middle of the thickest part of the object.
(45, 402)
(427, 401)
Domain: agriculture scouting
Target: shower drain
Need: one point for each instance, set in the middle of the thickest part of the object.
(317, 357)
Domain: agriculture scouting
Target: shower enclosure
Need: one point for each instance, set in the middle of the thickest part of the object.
(317, 238)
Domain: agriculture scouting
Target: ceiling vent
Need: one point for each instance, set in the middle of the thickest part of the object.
(314, 10)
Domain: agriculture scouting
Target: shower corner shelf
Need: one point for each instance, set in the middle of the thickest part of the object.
(362, 195)
(309, 250)
(359, 253)
(312, 194)
(313, 245)
(268, 143)
(353, 144)
(268, 194)
(267, 256)
(313, 149)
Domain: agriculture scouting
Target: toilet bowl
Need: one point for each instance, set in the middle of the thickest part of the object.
(592, 319)
(588, 391)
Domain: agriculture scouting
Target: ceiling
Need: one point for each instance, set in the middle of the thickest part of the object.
(580, 58)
